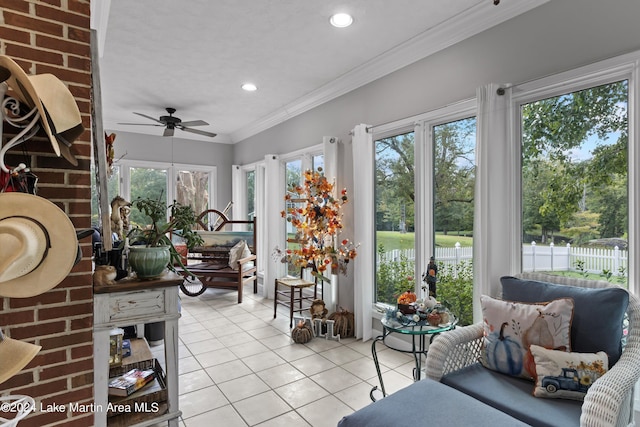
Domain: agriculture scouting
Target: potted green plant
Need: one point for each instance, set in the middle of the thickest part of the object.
(151, 248)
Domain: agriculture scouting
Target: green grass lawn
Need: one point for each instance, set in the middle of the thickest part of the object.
(449, 241)
(396, 240)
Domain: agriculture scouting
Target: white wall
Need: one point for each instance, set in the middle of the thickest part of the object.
(557, 36)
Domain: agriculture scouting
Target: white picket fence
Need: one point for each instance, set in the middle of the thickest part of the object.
(568, 258)
(536, 258)
(446, 255)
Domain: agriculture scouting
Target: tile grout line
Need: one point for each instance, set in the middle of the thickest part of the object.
(225, 309)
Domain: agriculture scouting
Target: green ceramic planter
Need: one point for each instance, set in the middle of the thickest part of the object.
(148, 262)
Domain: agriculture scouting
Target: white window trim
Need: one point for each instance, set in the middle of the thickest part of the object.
(305, 154)
(425, 247)
(172, 172)
(422, 126)
(239, 188)
(625, 67)
(238, 192)
(266, 201)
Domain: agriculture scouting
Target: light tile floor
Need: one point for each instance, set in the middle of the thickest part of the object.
(239, 367)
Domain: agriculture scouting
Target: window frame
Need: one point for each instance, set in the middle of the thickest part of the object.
(269, 218)
(306, 157)
(402, 129)
(172, 173)
(239, 192)
(422, 126)
(625, 67)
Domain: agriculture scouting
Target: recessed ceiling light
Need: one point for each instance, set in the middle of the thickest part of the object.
(341, 20)
(249, 87)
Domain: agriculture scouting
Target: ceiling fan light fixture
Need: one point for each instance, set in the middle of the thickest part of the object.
(341, 20)
(171, 123)
(249, 87)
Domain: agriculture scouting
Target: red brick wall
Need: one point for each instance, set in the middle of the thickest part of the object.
(52, 36)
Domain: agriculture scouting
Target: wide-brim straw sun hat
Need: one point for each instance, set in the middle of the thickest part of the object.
(38, 245)
(60, 116)
(14, 355)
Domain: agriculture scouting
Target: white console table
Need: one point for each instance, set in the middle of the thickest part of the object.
(133, 302)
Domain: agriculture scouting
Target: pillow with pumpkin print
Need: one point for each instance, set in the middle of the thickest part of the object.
(510, 328)
(562, 375)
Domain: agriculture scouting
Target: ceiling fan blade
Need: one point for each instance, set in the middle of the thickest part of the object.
(168, 132)
(195, 123)
(140, 124)
(148, 117)
(199, 132)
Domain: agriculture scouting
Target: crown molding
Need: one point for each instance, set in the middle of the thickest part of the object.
(465, 25)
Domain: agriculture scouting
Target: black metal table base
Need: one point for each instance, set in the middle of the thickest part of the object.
(418, 349)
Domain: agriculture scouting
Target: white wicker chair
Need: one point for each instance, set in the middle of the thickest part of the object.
(609, 401)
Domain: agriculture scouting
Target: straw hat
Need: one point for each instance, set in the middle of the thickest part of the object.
(38, 245)
(14, 355)
(58, 110)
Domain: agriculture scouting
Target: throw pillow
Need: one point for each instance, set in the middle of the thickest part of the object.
(510, 328)
(562, 375)
(598, 313)
(238, 251)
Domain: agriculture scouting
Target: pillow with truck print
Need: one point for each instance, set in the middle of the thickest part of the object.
(562, 375)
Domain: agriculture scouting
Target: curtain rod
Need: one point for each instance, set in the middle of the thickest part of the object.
(370, 128)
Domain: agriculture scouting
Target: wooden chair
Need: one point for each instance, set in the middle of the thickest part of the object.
(210, 262)
(291, 291)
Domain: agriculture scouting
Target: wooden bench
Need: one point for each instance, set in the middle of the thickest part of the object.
(210, 262)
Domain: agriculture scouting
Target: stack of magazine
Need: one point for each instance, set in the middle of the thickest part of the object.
(130, 382)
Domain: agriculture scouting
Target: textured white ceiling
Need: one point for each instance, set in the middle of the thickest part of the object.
(194, 55)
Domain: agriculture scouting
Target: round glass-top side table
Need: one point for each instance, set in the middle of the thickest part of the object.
(418, 331)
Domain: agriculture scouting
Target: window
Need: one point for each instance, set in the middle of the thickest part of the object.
(574, 183)
(395, 228)
(429, 174)
(250, 184)
(192, 185)
(293, 177)
(149, 183)
(317, 161)
(295, 165)
(453, 212)
(113, 189)
(192, 189)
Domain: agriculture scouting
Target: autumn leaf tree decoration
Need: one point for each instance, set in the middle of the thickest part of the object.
(316, 214)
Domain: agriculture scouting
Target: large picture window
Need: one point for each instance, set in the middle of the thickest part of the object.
(574, 183)
(188, 184)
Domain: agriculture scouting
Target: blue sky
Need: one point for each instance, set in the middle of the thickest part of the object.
(584, 152)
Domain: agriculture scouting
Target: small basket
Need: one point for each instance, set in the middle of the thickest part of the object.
(407, 309)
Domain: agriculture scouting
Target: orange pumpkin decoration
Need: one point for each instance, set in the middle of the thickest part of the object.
(407, 297)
